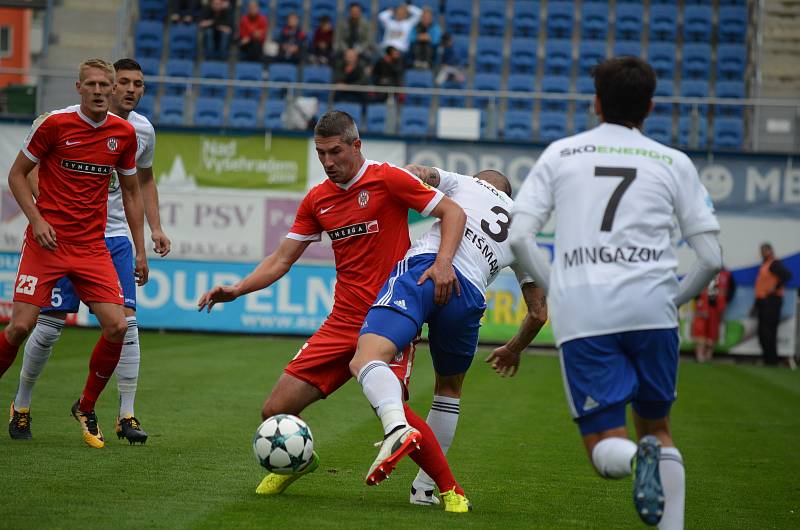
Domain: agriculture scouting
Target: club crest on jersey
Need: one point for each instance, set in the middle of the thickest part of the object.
(112, 144)
(363, 198)
(358, 229)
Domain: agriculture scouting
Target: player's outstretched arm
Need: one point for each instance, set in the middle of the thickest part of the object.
(134, 215)
(270, 270)
(703, 270)
(527, 254)
(20, 186)
(428, 175)
(505, 359)
(151, 211)
(442, 272)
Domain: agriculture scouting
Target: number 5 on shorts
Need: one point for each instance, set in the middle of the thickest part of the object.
(26, 284)
(55, 297)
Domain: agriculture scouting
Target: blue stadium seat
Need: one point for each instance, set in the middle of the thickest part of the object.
(321, 8)
(488, 130)
(694, 89)
(521, 83)
(697, 23)
(317, 74)
(523, 56)
(663, 23)
(149, 38)
(419, 78)
(146, 106)
(492, 17)
(243, 114)
(153, 9)
(555, 84)
(435, 5)
(453, 100)
(594, 20)
(489, 54)
(552, 126)
(183, 41)
(178, 68)
(526, 18)
(213, 70)
(732, 24)
(729, 89)
(728, 133)
(376, 118)
(584, 84)
(414, 121)
(462, 44)
(284, 7)
(559, 19)
(273, 114)
(458, 16)
(208, 112)
(485, 82)
(628, 47)
(688, 137)
(666, 88)
(696, 63)
(282, 73)
(170, 110)
(659, 128)
(518, 125)
(731, 61)
(629, 21)
(248, 71)
(352, 108)
(558, 57)
(150, 66)
(661, 56)
(590, 53)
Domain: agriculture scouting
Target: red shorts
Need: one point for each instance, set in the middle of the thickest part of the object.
(706, 326)
(324, 361)
(88, 267)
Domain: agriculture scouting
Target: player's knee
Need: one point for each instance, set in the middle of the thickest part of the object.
(19, 328)
(115, 330)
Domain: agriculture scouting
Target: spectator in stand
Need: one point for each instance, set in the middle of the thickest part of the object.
(397, 25)
(710, 307)
(350, 70)
(771, 279)
(322, 42)
(352, 33)
(388, 71)
(252, 33)
(186, 11)
(451, 62)
(217, 24)
(291, 40)
(425, 38)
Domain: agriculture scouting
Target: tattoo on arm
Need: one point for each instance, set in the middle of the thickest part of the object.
(432, 178)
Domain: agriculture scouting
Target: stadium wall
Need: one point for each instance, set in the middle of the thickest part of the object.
(227, 200)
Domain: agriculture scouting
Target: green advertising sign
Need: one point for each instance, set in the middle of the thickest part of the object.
(232, 161)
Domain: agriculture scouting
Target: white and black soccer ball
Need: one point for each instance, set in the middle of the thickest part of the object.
(283, 444)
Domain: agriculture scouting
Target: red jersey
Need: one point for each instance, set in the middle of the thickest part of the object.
(367, 221)
(76, 157)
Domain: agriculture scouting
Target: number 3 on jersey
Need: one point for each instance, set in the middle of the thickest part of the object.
(627, 174)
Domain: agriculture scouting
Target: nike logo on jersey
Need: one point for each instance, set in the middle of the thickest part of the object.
(324, 210)
(68, 143)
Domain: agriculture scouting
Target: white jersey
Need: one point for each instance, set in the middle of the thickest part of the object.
(116, 224)
(615, 193)
(484, 251)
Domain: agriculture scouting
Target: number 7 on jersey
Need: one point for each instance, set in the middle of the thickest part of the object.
(627, 174)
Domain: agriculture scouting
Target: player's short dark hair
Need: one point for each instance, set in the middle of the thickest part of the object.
(625, 86)
(496, 179)
(337, 123)
(127, 64)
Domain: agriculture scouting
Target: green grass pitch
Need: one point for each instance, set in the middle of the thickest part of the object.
(516, 451)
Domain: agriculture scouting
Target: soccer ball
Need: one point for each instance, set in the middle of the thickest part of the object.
(283, 444)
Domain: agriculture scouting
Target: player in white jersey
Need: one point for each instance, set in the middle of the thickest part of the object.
(128, 89)
(406, 302)
(613, 289)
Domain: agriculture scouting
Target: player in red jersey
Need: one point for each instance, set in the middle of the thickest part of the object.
(77, 151)
(363, 207)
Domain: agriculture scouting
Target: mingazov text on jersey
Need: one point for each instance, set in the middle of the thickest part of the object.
(593, 255)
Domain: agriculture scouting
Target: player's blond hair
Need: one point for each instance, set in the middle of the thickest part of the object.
(101, 64)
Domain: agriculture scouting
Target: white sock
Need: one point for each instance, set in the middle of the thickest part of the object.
(442, 419)
(612, 457)
(37, 351)
(128, 368)
(673, 480)
(384, 393)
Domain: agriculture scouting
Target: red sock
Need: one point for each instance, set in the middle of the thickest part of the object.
(430, 456)
(8, 352)
(105, 357)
